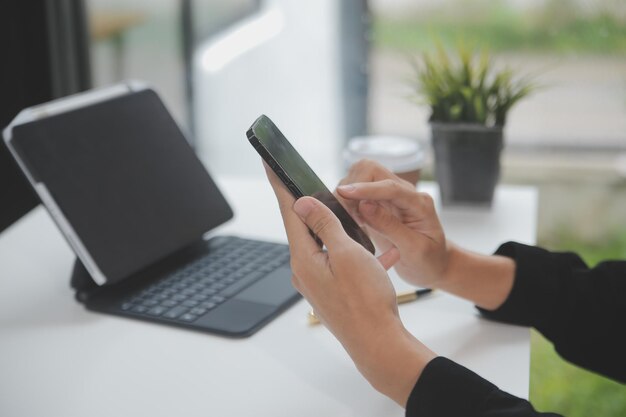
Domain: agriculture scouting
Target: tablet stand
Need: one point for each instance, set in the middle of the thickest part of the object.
(81, 281)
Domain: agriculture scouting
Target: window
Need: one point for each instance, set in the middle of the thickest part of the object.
(576, 48)
(154, 41)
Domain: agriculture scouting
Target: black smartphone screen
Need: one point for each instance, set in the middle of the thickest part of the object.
(296, 174)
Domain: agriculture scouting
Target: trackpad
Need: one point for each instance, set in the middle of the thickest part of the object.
(274, 289)
(236, 316)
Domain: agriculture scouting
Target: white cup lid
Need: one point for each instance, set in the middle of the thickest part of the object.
(398, 154)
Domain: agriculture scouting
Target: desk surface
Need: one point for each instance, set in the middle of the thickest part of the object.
(56, 358)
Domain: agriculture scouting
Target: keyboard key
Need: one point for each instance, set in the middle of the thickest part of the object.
(217, 299)
(188, 317)
(275, 263)
(157, 311)
(127, 306)
(190, 303)
(169, 303)
(239, 275)
(207, 305)
(198, 287)
(219, 274)
(198, 311)
(176, 312)
(187, 282)
(139, 309)
(242, 283)
(179, 297)
(150, 303)
(199, 297)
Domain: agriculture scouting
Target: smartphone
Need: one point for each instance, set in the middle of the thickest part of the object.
(296, 174)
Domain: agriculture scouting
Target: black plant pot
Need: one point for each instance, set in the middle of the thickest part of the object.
(467, 162)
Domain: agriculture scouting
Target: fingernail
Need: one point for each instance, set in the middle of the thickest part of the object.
(348, 188)
(303, 206)
(367, 207)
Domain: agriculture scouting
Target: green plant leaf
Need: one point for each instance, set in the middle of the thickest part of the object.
(464, 86)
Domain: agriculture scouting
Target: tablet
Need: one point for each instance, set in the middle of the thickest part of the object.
(118, 177)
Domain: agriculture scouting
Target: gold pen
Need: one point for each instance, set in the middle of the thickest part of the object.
(401, 298)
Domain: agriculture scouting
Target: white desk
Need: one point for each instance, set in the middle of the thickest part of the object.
(58, 359)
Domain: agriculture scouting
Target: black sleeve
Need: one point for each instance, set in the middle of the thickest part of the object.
(447, 389)
(581, 310)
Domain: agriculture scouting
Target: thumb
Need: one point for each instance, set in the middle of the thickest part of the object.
(385, 223)
(322, 222)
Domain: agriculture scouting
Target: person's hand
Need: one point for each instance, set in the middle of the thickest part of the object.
(352, 295)
(396, 215)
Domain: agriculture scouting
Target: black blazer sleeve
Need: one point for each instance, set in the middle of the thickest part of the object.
(581, 310)
(447, 389)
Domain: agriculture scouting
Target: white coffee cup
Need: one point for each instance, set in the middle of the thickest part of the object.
(402, 156)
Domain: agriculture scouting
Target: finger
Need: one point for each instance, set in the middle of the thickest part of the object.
(366, 170)
(352, 207)
(283, 195)
(382, 243)
(322, 222)
(384, 222)
(300, 240)
(385, 190)
(389, 258)
(349, 205)
(295, 281)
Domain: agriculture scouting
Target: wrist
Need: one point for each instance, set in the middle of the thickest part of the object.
(394, 362)
(451, 260)
(485, 280)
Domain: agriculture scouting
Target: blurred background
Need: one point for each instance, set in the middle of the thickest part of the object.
(326, 71)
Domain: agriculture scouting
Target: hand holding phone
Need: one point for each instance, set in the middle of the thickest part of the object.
(296, 174)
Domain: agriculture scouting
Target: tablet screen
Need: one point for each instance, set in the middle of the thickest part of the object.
(125, 178)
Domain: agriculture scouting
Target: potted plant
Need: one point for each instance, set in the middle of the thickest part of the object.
(469, 100)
